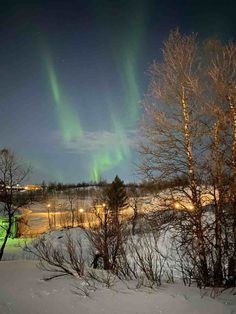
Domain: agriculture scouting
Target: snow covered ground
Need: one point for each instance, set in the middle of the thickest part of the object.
(23, 290)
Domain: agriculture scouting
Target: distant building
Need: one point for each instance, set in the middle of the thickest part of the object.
(32, 187)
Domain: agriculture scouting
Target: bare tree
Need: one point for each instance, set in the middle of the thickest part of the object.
(59, 260)
(190, 131)
(12, 173)
(172, 130)
(222, 72)
(73, 203)
(51, 205)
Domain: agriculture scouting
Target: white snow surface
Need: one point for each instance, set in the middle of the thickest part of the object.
(23, 290)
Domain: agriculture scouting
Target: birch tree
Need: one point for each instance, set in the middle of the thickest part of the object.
(173, 135)
(190, 130)
(222, 71)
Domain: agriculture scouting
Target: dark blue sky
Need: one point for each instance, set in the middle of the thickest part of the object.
(73, 74)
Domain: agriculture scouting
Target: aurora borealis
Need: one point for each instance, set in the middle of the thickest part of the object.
(74, 73)
(68, 120)
(70, 128)
(126, 61)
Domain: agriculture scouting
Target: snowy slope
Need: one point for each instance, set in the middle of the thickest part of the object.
(23, 291)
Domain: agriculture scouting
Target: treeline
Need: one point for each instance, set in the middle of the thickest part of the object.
(144, 187)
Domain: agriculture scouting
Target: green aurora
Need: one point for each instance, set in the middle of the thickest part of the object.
(129, 60)
(106, 160)
(68, 119)
(126, 60)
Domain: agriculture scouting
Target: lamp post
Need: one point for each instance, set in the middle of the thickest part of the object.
(81, 216)
(49, 219)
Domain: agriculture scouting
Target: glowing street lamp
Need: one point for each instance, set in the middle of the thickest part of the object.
(81, 210)
(191, 207)
(177, 205)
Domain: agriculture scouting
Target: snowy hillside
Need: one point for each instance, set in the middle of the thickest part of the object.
(23, 290)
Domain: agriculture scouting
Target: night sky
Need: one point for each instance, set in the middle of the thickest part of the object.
(74, 73)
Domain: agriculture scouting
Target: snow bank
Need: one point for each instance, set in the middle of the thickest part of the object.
(23, 291)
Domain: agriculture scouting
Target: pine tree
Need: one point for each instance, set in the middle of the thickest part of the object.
(117, 198)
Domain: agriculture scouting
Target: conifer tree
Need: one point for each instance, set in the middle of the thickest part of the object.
(116, 198)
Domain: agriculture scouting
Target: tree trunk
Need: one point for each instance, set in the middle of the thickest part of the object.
(218, 271)
(193, 186)
(105, 253)
(134, 218)
(232, 272)
(8, 232)
(203, 269)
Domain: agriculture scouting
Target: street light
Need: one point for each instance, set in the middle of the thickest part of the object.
(177, 205)
(191, 207)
